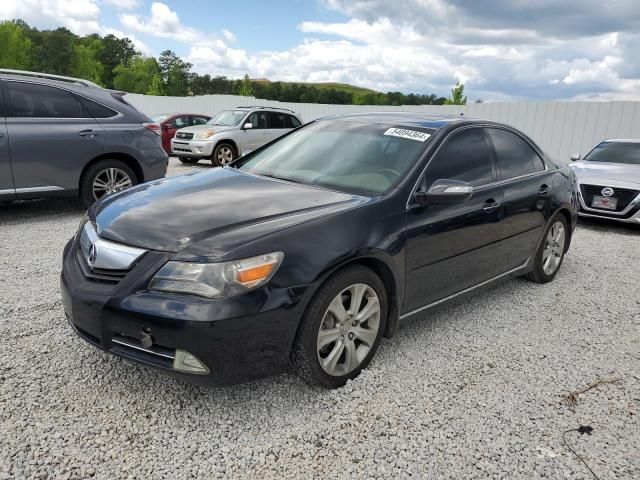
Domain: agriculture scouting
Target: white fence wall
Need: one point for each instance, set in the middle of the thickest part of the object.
(560, 128)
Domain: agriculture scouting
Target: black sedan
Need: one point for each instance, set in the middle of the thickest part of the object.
(306, 252)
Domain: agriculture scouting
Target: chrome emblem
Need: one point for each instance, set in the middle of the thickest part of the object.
(607, 191)
(93, 254)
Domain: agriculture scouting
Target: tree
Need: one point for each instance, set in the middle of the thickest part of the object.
(86, 62)
(139, 77)
(245, 87)
(16, 46)
(457, 95)
(116, 51)
(175, 73)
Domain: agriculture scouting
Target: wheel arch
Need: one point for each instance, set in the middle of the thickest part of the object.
(229, 141)
(385, 272)
(123, 157)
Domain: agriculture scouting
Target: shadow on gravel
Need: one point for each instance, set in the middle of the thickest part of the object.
(603, 225)
(40, 209)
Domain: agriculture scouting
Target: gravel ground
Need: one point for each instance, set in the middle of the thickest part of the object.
(473, 390)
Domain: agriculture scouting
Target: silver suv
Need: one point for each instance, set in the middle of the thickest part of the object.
(62, 136)
(233, 133)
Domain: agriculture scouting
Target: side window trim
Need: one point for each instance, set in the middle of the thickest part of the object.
(533, 148)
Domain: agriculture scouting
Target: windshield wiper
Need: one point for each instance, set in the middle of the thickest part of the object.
(286, 179)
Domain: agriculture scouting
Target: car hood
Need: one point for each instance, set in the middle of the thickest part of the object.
(197, 128)
(622, 174)
(211, 213)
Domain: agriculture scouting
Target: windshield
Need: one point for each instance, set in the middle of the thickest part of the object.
(160, 118)
(616, 152)
(228, 118)
(344, 155)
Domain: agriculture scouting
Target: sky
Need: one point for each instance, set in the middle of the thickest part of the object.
(500, 49)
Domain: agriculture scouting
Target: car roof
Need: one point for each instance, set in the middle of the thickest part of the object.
(622, 140)
(414, 119)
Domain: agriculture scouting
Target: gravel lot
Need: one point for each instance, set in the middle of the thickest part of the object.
(473, 390)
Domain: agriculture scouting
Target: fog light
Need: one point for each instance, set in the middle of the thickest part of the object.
(185, 362)
(199, 149)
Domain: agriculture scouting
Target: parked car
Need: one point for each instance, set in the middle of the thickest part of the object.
(170, 123)
(338, 231)
(61, 136)
(609, 181)
(233, 133)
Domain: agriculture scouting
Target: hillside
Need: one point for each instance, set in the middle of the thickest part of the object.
(341, 87)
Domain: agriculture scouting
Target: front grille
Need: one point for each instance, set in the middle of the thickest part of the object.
(184, 135)
(176, 149)
(624, 195)
(99, 275)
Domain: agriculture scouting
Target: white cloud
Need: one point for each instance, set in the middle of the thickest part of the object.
(123, 4)
(163, 22)
(79, 16)
(228, 35)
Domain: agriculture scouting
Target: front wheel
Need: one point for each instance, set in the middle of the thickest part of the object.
(550, 254)
(104, 178)
(223, 154)
(342, 328)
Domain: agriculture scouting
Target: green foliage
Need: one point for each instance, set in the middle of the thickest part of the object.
(114, 63)
(139, 76)
(457, 95)
(245, 87)
(16, 46)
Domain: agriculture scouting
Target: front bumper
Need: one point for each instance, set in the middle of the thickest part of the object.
(192, 148)
(631, 214)
(237, 339)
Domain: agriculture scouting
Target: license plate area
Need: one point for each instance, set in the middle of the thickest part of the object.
(604, 203)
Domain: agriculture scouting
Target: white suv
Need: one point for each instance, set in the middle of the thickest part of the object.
(232, 133)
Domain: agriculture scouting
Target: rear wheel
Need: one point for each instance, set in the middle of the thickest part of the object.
(223, 154)
(104, 178)
(188, 160)
(342, 328)
(550, 254)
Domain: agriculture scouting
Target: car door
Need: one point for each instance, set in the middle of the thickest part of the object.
(52, 137)
(277, 125)
(258, 134)
(7, 191)
(172, 126)
(527, 185)
(453, 247)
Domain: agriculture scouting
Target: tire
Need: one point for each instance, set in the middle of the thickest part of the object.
(188, 160)
(541, 272)
(223, 154)
(344, 340)
(101, 171)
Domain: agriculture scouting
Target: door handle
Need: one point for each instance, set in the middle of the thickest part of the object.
(87, 133)
(545, 189)
(491, 205)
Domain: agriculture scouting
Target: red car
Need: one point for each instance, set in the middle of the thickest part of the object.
(170, 122)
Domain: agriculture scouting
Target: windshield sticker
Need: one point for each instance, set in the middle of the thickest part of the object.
(410, 134)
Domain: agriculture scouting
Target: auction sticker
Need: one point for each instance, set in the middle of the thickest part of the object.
(410, 134)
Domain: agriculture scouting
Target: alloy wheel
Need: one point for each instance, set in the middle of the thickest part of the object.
(225, 155)
(349, 329)
(110, 180)
(553, 248)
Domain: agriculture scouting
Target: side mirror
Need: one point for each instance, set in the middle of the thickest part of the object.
(445, 192)
(575, 157)
(247, 126)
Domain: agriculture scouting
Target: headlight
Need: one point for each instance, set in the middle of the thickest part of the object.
(216, 280)
(204, 135)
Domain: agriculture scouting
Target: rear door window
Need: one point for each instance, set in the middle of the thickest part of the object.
(514, 155)
(30, 100)
(465, 156)
(277, 120)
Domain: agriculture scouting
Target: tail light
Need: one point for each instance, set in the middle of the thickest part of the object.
(154, 127)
